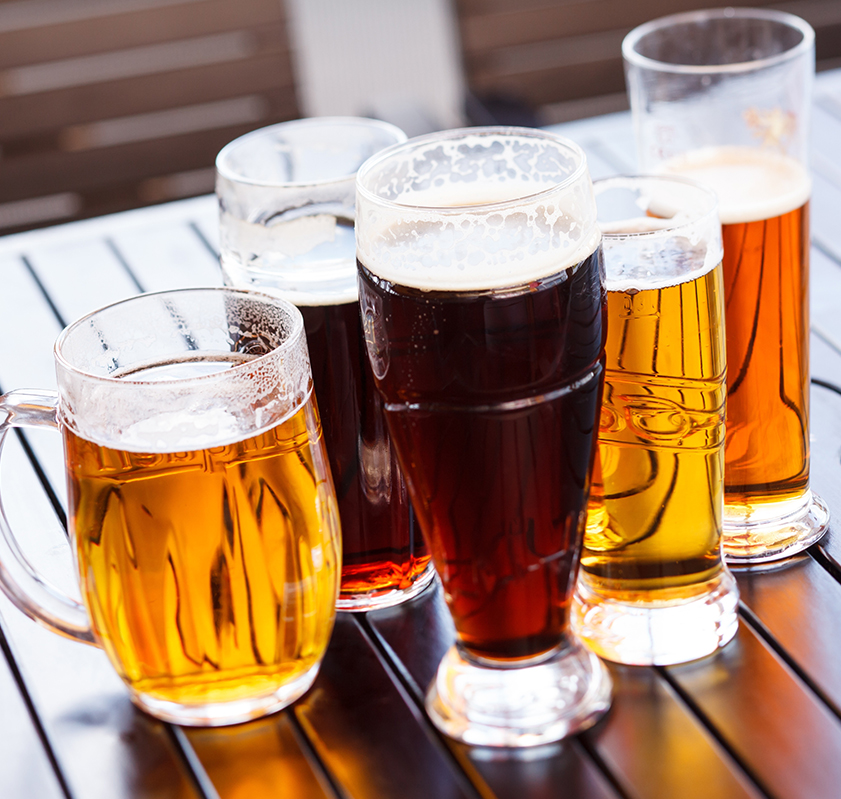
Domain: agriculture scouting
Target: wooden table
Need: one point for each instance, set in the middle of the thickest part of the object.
(760, 719)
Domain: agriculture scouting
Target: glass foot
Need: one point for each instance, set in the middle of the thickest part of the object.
(358, 603)
(515, 707)
(657, 633)
(219, 714)
(750, 538)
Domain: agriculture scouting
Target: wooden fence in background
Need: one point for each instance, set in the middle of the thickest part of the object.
(110, 104)
(562, 57)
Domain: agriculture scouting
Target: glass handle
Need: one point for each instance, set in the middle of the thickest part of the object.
(27, 589)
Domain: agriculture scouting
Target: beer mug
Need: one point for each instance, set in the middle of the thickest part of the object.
(202, 514)
(653, 588)
(480, 286)
(723, 96)
(286, 201)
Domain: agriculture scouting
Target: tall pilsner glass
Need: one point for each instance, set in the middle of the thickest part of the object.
(481, 290)
(722, 96)
(286, 201)
(653, 588)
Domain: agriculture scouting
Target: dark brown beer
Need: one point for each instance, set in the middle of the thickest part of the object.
(382, 551)
(491, 399)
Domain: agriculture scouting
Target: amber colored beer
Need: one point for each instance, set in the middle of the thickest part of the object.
(764, 209)
(381, 549)
(653, 522)
(765, 278)
(210, 575)
(491, 398)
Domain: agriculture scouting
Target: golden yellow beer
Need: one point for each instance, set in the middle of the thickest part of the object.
(764, 211)
(654, 524)
(210, 575)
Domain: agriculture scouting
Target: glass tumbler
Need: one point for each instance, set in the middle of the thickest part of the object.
(202, 514)
(286, 202)
(723, 96)
(653, 588)
(480, 286)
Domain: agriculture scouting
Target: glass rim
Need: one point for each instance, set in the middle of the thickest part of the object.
(458, 133)
(784, 19)
(290, 342)
(632, 181)
(223, 170)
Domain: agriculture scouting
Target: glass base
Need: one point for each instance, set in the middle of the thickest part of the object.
(750, 538)
(657, 633)
(376, 600)
(219, 714)
(516, 707)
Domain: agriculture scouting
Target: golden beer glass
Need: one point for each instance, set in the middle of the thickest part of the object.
(653, 588)
(202, 513)
(723, 97)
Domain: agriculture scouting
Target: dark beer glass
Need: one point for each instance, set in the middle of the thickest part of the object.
(723, 97)
(481, 291)
(286, 196)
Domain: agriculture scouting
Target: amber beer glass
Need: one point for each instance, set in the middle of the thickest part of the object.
(653, 588)
(286, 200)
(722, 96)
(482, 299)
(202, 513)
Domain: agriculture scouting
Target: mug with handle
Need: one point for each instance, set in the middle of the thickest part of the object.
(202, 513)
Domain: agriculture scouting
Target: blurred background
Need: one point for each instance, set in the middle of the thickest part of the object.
(113, 104)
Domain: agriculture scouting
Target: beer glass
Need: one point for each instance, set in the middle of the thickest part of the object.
(202, 514)
(480, 286)
(653, 588)
(722, 96)
(286, 200)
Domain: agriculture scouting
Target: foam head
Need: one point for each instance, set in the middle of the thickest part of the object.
(752, 183)
(658, 231)
(286, 206)
(182, 370)
(475, 209)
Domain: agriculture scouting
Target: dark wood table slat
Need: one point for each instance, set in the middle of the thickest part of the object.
(416, 638)
(260, 760)
(653, 742)
(772, 723)
(371, 739)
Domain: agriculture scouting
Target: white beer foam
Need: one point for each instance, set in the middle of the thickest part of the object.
(644, 276)
(459, 223)
(181, 387)
(667, 231)
(751, 184)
